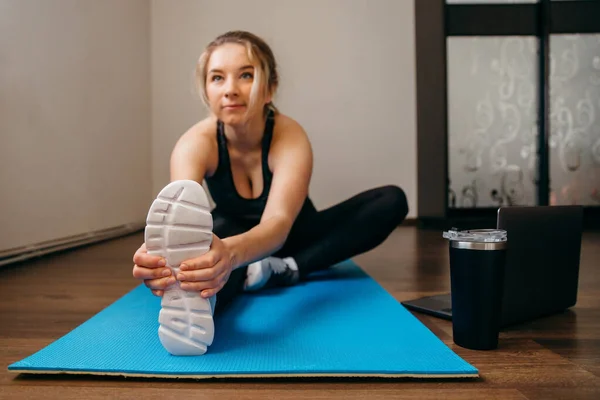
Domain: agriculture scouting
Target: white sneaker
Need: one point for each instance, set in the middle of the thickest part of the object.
(179, 227)
(271, 272)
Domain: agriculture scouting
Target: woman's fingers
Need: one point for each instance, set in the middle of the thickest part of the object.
(207, 260)
(199, 275)
(206, 274)
(198, 286)
(147, 266)
(207, 286)
(148, 261)
(150, 273)
(211, 292)
(161, 283)
(153, 270)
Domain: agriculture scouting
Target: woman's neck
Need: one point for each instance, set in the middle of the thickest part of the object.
(246, 137)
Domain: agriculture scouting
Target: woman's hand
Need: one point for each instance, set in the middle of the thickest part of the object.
(152, 270)
(209, 272)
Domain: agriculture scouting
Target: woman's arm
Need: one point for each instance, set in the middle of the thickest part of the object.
(291, 160)
(193, 154)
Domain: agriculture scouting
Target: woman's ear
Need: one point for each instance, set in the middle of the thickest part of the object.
(268, 98)
(269, 95)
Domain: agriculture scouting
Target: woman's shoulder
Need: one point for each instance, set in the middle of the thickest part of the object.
(199, 144)
(286, 126)
(290, 141)
(199, 137)
(284, 120)
(202, 131)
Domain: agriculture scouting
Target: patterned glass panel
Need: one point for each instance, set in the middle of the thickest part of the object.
(575, 119)
(492, 121)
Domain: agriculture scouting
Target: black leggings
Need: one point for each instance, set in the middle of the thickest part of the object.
(320, 239)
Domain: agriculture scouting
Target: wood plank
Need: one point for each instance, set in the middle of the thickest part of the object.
(279, 393)
(524, 363)
(561, 394)
(584, 352)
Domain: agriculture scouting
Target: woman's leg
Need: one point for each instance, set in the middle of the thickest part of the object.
(350, 228)
(225, 227)
(320, 239)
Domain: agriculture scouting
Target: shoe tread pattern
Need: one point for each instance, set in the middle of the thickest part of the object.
(179, 227)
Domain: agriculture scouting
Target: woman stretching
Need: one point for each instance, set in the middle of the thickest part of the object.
(264, 230)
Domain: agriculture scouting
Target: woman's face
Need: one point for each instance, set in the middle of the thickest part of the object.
(229, 83)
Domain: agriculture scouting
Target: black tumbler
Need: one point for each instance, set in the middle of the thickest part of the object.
(477, 263)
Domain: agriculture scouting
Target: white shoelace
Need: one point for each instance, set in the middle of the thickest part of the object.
(277, 266)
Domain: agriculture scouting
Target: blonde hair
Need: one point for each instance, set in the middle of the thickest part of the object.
(259, 52)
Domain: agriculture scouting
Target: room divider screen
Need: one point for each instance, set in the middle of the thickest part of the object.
(508, 99)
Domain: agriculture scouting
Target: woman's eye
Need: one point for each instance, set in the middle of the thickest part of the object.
(247, 75)
(215, 78)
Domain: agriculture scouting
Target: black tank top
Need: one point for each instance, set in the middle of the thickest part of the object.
(222, 188)
(221, 185)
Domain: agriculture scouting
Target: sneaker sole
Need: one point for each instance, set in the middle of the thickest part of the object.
(179, 227)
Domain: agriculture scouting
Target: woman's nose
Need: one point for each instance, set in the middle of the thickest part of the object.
(231, 88)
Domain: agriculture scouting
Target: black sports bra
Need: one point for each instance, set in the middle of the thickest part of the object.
(222, 187)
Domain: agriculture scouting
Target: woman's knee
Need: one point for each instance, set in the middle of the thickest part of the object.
(396, 202)
(225, 227)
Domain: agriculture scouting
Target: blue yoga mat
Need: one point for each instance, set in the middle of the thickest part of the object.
(340, 323)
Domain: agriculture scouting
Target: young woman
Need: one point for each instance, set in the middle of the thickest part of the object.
(257, 163)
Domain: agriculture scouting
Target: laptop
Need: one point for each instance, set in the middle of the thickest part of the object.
(542, 264)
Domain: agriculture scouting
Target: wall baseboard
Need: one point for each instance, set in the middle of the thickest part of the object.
(410, 222)
(23, 253)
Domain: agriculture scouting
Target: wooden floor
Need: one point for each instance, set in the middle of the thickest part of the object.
(556, 357)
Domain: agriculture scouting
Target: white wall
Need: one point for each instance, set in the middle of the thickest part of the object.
(347, 75)
(74, 117)
(89, 90)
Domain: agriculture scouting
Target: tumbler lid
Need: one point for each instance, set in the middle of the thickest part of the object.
(477, 239)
